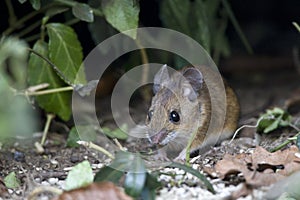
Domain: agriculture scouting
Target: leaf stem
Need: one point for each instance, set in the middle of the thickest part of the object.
(237, 26)
(46, 128)
(50, 91)
(96, 147)
(297, 26)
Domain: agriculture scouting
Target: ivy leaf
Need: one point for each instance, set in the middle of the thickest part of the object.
(65, 52)
(108, 174)
(83, 12)
(122, 14)
(39, 71)
(11, 181)
(81, 175)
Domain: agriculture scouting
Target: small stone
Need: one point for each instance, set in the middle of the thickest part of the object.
(53, 181)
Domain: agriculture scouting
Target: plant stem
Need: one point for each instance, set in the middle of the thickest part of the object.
(237, 26)
(96, 147)
(289, 140)
(12, 17)
(25, 18)
(50, 91)
(28, 29)
(46, 128)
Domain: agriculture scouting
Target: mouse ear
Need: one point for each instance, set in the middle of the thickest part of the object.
(193, 77)
(160, 77)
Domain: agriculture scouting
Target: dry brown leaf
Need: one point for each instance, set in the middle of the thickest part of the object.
(260, 168)
(99, 191)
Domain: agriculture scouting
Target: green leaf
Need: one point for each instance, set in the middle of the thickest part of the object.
(36, 4)
(149, 190)
(179, 18)
(86, 133)
(134, 183)
(195, 173)
(116, 133)
(83, 12)
(11, 181)
(65, 52)
(15, 109)
(129, 162)
(273, 119)
(39, 72)
(73, 137)
(108, 174)
(80, 176)
(122, 14)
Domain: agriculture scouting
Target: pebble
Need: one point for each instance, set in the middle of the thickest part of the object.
(53, 181)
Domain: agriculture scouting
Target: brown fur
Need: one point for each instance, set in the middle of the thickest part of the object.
(195, 116)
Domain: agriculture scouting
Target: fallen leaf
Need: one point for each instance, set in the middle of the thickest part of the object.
(261, 168)
(99, 191)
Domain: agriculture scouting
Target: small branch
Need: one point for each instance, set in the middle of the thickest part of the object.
(59, 73)
(46, 128)
(119, 144)
(50, 91)
(96, 147)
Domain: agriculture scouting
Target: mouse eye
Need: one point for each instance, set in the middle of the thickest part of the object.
(174, 117)
(150, 113)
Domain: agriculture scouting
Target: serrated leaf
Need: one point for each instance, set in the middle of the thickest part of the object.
(65, 52)
(122, 14)
(36, 4)
(39, 72)
(11, 181)
(83, 12)
(195, 173)
(80, 176)
(108, 174)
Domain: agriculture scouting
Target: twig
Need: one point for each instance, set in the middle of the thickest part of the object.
(50, 91)
(46, 128)
(119, 144)
(96, 147)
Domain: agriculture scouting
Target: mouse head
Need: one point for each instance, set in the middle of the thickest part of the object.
(175, 106)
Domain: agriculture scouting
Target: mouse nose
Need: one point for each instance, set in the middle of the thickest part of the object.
(158, 137)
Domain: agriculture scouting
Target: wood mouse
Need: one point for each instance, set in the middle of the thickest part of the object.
(181, 108)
